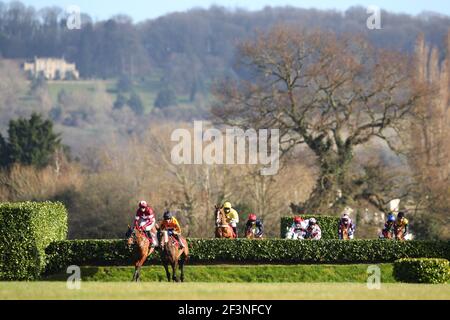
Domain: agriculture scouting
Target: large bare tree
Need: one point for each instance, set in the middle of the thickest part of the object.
(429, 152)
(331, 93)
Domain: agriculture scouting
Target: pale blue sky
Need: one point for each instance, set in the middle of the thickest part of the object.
(143, 9)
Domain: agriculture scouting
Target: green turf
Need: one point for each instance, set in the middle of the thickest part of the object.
(87, 87)
(231, 291)
(147, 88)
(233, 273)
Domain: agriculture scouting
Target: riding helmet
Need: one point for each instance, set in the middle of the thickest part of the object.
(167, 215)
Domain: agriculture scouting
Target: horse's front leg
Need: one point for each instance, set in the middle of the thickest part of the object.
(136, 276)
(166, 267)
(139, 264)
(174, 271)
(182, 270)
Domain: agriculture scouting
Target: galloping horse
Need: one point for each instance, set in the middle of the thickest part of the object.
(138, 237)
(345, 233)
(387, 234)
(399, 235)
(172, 254)
(223, 229)
(251, 234)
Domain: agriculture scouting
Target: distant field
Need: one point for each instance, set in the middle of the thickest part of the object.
(210, 291)
(147, 90)
(54, 87)
(238, 273)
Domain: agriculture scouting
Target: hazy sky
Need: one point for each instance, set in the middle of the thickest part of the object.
(143, 9)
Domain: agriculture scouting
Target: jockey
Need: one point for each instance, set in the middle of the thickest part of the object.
(389, 226)
(297, 229)
(171, 225)
(401, 224)
(145, 221)
(313, 231)
(253, 223)
(232, 216)
(346, 222)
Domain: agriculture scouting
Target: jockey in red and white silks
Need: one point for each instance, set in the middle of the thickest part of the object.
(145, 220)
(313, 231)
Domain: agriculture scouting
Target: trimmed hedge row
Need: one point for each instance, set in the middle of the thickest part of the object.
(328, 225)
(209, 251)
(422, 270)
(26, 229)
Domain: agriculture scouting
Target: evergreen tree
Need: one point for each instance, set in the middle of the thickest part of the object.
(136, 104)
(166, 97)
(30, 142)
(124, 84)
(4, 154)
(120, 102)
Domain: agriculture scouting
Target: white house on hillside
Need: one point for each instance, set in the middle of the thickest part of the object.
(51, 68)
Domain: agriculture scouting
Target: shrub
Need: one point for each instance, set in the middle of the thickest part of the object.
(124, 84)
(206, 251)
(422, 270)
(136, 104)
(26, 229)
(328, 224)
(166, 97)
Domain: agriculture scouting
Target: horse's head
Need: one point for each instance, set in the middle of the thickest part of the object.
(219, 215)
(130, 236)
(345, 235)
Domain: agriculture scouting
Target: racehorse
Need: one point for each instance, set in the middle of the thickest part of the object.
(251, 234)
(387, 234)
(399, 235)
(172, 254)
(138, 237)
(344, 231)
(223, 229)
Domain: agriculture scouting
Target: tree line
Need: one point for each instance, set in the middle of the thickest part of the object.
(331, 94)
(332, 99)
(191, 48)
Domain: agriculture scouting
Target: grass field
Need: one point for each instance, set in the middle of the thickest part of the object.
(211, 291)
(147, 89)
(238, 273)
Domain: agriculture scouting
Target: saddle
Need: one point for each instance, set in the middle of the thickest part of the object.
(174, 240)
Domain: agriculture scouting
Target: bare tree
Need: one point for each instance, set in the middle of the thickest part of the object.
(429, 151)
(331, 94)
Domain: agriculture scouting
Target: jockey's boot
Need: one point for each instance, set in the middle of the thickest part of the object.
(148, 234)
(235, 231)
(179, 241)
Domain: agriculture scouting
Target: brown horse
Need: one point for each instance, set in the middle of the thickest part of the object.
(399, 234)
(144, 250)
(250, 234)
(387, 234)
(223, 229)
(345, 233)
(171, 253)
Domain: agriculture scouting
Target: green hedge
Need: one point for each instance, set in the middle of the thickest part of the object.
(241, 251)
(26, 229)
(422, 270)
(328, 224)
